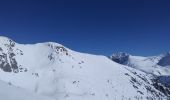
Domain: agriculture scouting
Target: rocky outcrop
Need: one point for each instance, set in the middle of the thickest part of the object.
(120, 57)
(165, 60)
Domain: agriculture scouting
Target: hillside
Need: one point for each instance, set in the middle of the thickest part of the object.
(52, 70)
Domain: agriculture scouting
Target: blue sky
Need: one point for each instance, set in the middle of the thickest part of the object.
(139, 27)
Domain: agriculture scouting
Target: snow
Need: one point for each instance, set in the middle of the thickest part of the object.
(59, 73)
(146, 64)
(10, 92)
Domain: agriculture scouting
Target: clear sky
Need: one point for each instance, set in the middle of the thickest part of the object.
(139, 27)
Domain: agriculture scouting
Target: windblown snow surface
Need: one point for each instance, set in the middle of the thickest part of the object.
(50, 71)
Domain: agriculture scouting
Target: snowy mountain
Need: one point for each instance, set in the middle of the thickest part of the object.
(157, 65)
(53, 72)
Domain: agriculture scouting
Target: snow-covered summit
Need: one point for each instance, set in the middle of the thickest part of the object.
(52, 70)
(4, 38)
(6, 41)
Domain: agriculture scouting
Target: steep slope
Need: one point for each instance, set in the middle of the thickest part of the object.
(52, 70)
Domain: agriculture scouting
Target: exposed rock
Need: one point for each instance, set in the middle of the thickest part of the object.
(121, 57)
(165, 61)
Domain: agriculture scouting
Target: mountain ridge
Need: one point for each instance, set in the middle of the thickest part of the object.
(52, 70)
(139, 62)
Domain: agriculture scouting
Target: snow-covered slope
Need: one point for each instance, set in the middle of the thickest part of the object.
(157, 65)
(50, 69)
(10, 92)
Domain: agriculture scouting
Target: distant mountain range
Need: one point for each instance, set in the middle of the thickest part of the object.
(157, 65)
(51, 71)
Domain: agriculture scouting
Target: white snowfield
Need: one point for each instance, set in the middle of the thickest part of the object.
(9, 92)
(50, 71)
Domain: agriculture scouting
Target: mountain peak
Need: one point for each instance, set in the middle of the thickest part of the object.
(165, 60)
(121, 54)
(53, 44)
(50, 69)
(6, 40)
(120, 57)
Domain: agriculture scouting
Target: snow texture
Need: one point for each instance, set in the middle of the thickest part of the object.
(50, 71)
